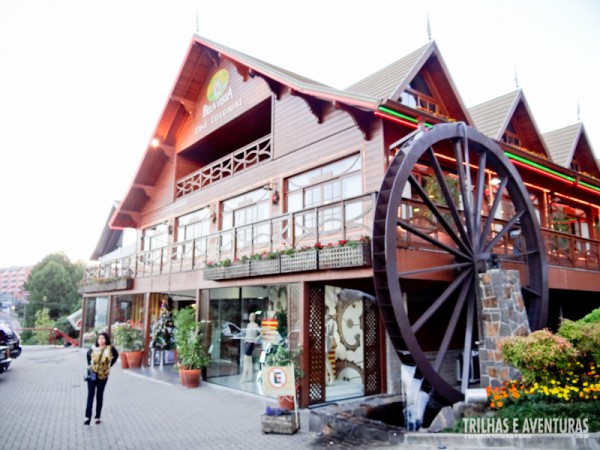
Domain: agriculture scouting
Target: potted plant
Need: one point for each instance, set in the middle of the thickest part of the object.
(283, 356)
(130, 341)
(191, 352)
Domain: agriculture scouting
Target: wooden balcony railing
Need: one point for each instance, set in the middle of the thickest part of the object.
(348, 219)
(235, 162)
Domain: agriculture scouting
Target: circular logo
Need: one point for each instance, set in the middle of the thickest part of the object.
(217, 85)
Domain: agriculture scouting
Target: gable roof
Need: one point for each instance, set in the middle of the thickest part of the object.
(297, 82)
(202, 56)
(388, 80)
(391, 81)
(493, 117)
(562, 142)
(109, 239)
(566, 143)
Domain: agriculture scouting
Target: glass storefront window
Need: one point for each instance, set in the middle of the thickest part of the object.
(233, 313)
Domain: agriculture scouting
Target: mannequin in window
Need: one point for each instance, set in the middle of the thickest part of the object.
(252, 335)
(330, 346)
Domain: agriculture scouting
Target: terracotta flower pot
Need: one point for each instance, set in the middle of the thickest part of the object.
(134, 359)
(286, 402)
(190, 377)
(124, 362)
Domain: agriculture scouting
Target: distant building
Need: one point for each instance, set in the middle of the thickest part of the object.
(12, 280)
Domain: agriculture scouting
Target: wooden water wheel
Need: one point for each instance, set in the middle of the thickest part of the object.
(475, 222)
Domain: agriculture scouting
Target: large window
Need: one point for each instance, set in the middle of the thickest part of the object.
(193, 225)
(248, 214)
(324, 186)
(156, 237)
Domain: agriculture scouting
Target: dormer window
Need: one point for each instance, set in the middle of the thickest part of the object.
(418, 95)
(511, 137)
(575, 166)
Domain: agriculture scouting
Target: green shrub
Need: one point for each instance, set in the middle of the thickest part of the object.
(593, 317)
(545, 410)
(540, 357)
(584, 336)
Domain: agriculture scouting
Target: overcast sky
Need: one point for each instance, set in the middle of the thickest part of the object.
(83, 82)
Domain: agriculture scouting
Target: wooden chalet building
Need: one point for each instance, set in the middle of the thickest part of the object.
(258, 194)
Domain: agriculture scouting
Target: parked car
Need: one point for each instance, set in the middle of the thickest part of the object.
(11, 340)
(5, 359)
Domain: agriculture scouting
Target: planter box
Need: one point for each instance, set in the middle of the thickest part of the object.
(337, 257)
(233, 271)
(287, 424)
(298, 262)
(117, 285)
(265, 266)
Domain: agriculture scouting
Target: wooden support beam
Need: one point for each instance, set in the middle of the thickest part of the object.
(188, 105)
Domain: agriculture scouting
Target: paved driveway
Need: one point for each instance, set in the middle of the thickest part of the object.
(43, 401)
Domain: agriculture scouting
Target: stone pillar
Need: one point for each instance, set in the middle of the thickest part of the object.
(502, 314)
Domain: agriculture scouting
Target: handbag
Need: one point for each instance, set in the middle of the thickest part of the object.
(87, 375)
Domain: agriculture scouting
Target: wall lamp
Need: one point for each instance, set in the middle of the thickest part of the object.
(274, 192)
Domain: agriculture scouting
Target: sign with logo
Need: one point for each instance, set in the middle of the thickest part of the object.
(220, 101)
(278, 380)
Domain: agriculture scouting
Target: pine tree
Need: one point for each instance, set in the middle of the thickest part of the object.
(163, 328)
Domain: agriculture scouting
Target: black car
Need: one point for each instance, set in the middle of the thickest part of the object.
(11, 340)
(4, 358)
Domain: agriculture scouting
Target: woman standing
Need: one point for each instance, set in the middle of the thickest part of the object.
(100, 359)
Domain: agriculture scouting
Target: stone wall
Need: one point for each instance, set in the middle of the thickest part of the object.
(502, 314)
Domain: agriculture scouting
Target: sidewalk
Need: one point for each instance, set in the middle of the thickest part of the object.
(43, 402)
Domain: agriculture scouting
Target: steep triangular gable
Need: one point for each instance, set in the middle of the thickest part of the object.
(419, 80)
(508, 119)
(570, 147)
(202, 56)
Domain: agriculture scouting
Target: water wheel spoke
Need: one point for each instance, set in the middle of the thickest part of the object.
(467, 346)
(505, 229)
(437, 213)
(453, 266)
(479, 198)
(458, 307)
(464, 184)
(439, 175)
(458, 281)
(408, 227)
(517, 256)
(493, 210)
(532, 291)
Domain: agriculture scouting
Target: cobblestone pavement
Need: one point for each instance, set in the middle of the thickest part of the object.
(43, 401)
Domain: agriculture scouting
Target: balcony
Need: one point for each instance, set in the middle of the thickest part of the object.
(226, 167)
(344, 220)
(327, 224)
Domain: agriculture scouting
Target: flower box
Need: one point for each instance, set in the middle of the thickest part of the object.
(348, 256)
(214, 273)
(265, 266)
(283, 424)
(237, 270)
(298, 262)
(108, 285)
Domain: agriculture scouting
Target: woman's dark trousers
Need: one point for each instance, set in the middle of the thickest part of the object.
(95, 387)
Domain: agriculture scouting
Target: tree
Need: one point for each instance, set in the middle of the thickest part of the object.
(53, 284)
(42, 320)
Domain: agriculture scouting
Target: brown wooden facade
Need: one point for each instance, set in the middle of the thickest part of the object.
(248, 158)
